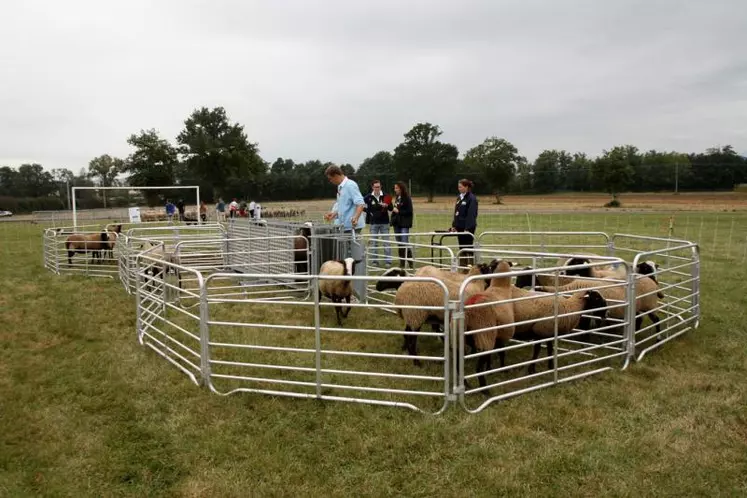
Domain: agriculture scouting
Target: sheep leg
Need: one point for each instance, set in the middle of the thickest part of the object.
(501, 354)
(347, 310)
(535, 354)
(655, 319)
(411, 342)
(70, 255)
(338, 310)
(551, 360)
(483, 364)
(638, 322)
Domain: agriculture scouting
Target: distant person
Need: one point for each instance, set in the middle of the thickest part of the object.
(252, 205)
(170, 210)
(350, 202)
(402, 216)
(220, 210)
(203, 211)
(465, 220)
(378, 206)
(180, 207)
(233, 208)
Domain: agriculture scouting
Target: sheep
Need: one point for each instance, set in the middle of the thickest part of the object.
(565, 277)
(424, 294)
(432, 271)
(338, 290)
(92, 242)
(543, 305)
(645, 287)
(301, 248)
(619, 273)
(112, 241)
(488, 317)
(167, 258)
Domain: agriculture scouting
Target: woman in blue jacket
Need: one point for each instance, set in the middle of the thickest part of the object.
(465, 220)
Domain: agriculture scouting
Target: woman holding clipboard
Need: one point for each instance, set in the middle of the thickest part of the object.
(465, 220)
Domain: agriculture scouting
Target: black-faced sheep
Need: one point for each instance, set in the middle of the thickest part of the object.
(489, 317)
(165, 264)
(646, 290)
(93, 242)
(338, 290)
(543, 306)
(301, 249)
(427, 294)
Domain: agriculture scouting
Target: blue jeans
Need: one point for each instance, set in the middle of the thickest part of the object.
(381, 240)
(402, 234)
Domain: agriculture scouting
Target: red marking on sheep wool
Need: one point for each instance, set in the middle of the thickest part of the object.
(476, 299)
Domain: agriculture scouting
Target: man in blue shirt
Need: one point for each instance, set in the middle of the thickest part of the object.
(350, 202)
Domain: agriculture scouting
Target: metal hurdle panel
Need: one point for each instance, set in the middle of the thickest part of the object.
(576, 354)
(260, 344)
(678, 278)
(93, 261)
(165, 323)
(548, 242)
(132, 241)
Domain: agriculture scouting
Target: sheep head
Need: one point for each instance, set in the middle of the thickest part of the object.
(592, 300)
(580, 272)
(648, 268)
(382, 285)
(350, 264)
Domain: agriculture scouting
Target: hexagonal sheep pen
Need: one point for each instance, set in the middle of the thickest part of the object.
(245, 314)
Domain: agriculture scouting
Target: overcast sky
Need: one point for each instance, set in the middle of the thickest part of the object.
(340, 80)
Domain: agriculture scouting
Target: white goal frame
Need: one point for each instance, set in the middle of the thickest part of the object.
(169, 187)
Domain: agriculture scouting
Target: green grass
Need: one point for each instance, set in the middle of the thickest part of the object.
(86, 411)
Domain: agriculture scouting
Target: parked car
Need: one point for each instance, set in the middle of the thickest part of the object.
(6, 213)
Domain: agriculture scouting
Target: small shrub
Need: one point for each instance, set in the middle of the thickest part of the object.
(614, 203)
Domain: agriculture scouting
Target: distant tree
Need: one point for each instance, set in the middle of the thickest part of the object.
(578, 173)
(423, 158)
(498, 160)
(379, 166)
(153, 163)
(9, 181)
(546, 171)
(522, 182)
(105, 168)
(615, 171)
(219, 154)
(33, 181)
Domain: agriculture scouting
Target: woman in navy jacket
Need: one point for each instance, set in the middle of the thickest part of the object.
(465, 219)
(402, 222)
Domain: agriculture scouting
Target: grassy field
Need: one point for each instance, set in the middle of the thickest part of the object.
(86, 411)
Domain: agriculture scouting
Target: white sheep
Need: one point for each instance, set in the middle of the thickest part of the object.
(338, 290)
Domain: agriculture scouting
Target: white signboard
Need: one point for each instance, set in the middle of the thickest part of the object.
(135, 215)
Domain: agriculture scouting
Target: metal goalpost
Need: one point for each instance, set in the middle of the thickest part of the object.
(171, 187)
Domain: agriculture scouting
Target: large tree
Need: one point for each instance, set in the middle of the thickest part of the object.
(614, 170)
(423, 158)
(153, 163)
(380, 167)
(497, 159)
(219, 154)
(33, 181)
(105, 169)
(546, 171)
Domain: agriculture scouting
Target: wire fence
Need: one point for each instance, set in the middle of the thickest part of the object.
(722, 236)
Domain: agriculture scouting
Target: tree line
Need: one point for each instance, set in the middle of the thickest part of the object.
(216, 154)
